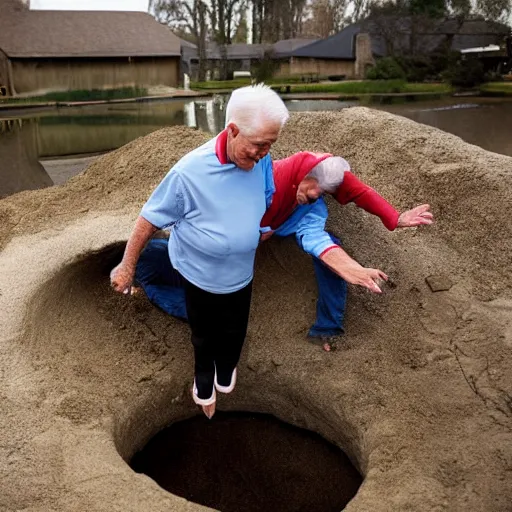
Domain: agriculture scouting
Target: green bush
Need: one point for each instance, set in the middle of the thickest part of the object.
(265, 68)
(386, 68)
(466, 73)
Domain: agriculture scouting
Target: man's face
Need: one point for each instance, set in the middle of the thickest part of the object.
(308, 191)
(244, 151)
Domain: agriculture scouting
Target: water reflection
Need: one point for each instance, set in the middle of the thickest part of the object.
(29, 136)
(65, 132)
(484, 122)
(19, 165)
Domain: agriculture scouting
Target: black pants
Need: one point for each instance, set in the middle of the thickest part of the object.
(219, 325)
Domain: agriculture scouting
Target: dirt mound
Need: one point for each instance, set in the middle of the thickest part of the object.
(121, 180)
(419, 396)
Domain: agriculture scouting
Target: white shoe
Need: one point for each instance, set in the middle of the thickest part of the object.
(225, 389)
(207, 404)
(203, 401)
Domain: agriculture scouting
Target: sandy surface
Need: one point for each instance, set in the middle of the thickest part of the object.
(419, 396)
(61, 170)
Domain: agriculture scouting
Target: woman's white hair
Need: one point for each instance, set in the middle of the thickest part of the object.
(253, 107)
(329, 173)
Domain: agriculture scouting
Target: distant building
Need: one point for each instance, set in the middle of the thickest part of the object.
(238, 56)
(70, 50)
(347, 53)
(351, 51)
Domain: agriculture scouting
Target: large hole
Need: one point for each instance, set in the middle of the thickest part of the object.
(250, 462)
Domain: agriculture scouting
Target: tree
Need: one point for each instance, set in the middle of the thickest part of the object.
(497, 10)
(326, 17)
(273, 20)
(205, 20)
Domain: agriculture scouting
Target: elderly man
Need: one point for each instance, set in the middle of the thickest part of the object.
(214, 198)
(298, 209)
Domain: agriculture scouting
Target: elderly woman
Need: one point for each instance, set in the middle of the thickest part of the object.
(214, 199)
(298, 209)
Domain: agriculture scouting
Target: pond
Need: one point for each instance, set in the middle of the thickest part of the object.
(31, 137)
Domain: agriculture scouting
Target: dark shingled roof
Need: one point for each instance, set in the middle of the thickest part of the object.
(339, 46)
(289, 45)
(342, 45)
(236, 51)
(48, 34)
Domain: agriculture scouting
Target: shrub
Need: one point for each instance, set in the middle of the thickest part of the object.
(386, 68)
(466, 73)
(264, 70)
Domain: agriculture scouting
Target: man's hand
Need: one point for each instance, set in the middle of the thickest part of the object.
(121, 279)
(415, 217)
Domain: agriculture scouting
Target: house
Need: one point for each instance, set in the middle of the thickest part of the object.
(346, 53)
(351, 51)
(238, 56)
(69, 50)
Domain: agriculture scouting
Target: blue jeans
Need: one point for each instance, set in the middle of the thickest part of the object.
(332, 298)
(164, 287)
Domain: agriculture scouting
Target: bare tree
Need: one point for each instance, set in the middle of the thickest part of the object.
(273, 20)
(205, 20)
(361, 9)
(189, 16)
(325, 17)
(497, 10)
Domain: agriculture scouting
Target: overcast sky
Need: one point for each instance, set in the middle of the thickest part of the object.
(91, 5)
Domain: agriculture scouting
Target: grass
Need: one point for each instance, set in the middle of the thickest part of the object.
(372, 87)
(81, 95)
(496, 89)
(342, 88)
(241, 82)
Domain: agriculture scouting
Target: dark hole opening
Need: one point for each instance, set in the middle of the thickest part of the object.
(249, 462)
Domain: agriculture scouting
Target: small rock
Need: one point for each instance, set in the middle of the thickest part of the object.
(253, 366)
(277, 361)
(439, 283)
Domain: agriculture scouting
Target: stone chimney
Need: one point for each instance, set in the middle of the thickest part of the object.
(364, 55)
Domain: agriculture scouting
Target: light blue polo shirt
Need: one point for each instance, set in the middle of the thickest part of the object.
(307, 223)
(215, 209)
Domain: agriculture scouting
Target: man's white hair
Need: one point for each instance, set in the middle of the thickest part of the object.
(329, 173)
(253, 107)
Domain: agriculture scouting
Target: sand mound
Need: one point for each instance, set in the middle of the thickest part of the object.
(419, 397)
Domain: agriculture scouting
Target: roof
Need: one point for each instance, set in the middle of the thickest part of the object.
(243, 51)
(237, 51)
(48, 34)
(338, 46)
(469, 33)
(342, 45)
(289, 45)
(482, 49)
(187, 44)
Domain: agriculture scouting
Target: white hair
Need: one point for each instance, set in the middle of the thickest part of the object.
(253, 107)
(329, 173)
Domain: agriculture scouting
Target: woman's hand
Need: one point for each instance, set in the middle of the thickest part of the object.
(350, 270)
(415, 217)
(265, 236)
(369, 278)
